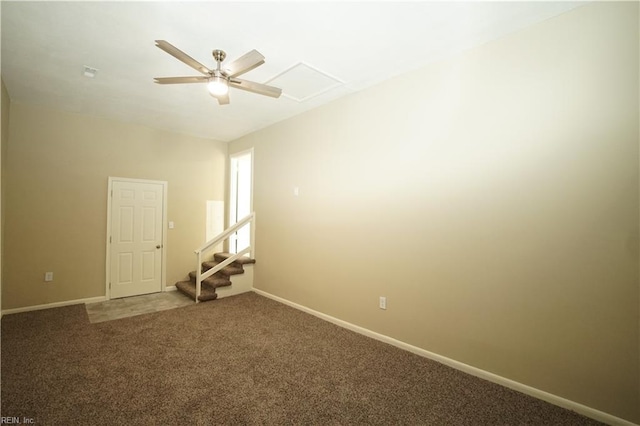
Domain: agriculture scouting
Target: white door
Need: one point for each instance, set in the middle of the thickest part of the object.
(241, 168)
(136, 239)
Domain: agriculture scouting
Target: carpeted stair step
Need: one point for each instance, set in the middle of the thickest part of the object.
(239, 262)
(189, 288)
(219, 279)
(213, 282)
(227, 270)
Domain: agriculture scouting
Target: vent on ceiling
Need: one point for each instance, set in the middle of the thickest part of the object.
(302, 82)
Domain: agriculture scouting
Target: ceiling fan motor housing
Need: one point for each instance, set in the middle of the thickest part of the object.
(219, 55)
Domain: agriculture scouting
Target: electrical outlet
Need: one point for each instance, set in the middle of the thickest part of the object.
(383, 302)
(48, 276)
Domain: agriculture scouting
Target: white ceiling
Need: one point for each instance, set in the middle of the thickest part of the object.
(45, 46)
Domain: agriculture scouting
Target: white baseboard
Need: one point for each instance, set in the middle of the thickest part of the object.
(54, 305)
(66, 303)
(520, 387)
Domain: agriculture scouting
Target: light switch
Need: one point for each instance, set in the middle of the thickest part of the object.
(296, 191)
(170, 224)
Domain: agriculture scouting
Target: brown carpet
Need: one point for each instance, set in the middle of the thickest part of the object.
(240, 360)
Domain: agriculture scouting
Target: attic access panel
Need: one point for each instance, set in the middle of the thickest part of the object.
(302, 82)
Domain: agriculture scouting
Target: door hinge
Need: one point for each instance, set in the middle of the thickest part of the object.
(109, 286)
(109, 240)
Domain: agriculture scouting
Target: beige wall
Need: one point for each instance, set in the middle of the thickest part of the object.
(56, 198)
(492, 198)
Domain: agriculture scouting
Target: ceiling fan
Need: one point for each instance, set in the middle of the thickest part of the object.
(219, 79)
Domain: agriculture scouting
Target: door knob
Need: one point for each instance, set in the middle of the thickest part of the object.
(158, 246)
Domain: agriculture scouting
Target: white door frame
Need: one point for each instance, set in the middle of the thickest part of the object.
(231, 184)
(164, 184)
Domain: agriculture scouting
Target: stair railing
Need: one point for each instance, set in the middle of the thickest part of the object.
(250, 220)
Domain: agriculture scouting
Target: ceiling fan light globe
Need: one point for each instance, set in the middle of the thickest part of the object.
(217, 86)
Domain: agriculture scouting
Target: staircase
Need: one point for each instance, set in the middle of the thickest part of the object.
(221, 278)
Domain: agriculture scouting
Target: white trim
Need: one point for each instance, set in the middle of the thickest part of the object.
(165, 223)
(54, 305)
(251, 152)
(240, 154)
(67, 303)
(474, 371)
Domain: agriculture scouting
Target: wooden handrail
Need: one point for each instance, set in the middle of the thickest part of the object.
(226, 233)
(249, 219)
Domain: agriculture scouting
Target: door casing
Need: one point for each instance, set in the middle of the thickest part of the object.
(234, 193)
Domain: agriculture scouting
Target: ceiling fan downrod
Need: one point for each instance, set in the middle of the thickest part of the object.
(218, 83)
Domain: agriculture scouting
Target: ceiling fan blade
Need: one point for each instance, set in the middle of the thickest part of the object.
(222, 99)
(181, 56)
(252, 86)
(180, 80)
(244, 64)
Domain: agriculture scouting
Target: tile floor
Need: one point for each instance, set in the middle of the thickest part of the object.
(137, 305)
